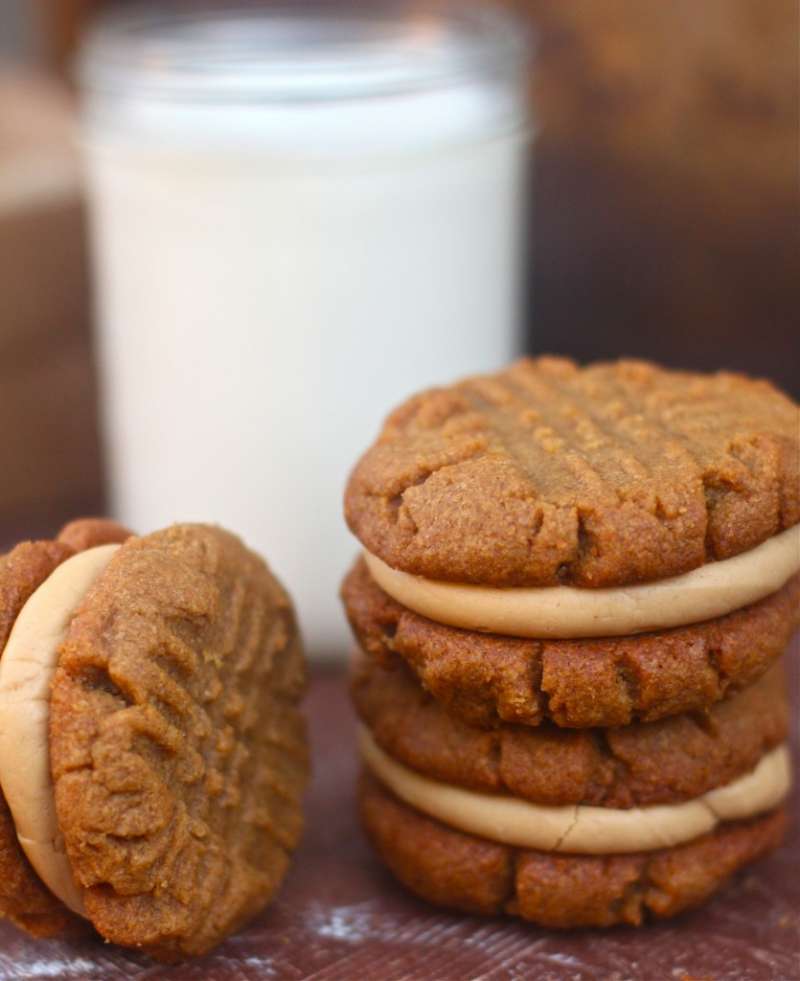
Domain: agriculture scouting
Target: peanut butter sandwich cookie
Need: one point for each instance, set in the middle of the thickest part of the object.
(487, 678)
(152, 752)
(592, 545)
(613, 549)
(569, 827)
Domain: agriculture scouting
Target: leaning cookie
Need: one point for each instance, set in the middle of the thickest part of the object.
(151, 689)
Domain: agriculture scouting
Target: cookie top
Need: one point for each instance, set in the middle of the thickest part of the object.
(487, 679)
(178, 752)
(549, 474)
(640, 765)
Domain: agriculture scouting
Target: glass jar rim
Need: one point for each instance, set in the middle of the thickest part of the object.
(304, 53)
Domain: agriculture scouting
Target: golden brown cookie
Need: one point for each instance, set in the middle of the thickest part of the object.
(178, 752)
(673, 760)
(22, 571)
(487, 679)
(460, 871)
(83, 533)
(547, 473)
(23, 898)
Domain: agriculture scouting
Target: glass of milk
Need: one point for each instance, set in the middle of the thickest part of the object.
(300, 216)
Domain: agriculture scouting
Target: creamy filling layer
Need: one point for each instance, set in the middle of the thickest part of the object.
(26, 671)
(578, 828)
(567, 612)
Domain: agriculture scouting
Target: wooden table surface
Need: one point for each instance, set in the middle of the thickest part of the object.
(341, 917)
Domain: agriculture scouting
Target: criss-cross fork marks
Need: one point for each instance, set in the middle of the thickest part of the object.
(188, 796)
(548, 473)
(606, 450)
(224, 749)
(623, 439)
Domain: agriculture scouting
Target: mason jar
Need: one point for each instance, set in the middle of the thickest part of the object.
(299, 216)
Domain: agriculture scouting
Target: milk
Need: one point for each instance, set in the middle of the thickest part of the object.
(275, 274)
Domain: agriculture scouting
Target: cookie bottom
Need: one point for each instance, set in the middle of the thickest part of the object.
(460, 871)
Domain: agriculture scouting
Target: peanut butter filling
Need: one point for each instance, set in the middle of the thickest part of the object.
(710, 591)
(578, 828)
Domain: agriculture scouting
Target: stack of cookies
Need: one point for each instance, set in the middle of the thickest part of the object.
(576, 588)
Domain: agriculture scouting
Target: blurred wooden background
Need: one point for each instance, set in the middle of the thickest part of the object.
(666, 204)
(665, 212)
